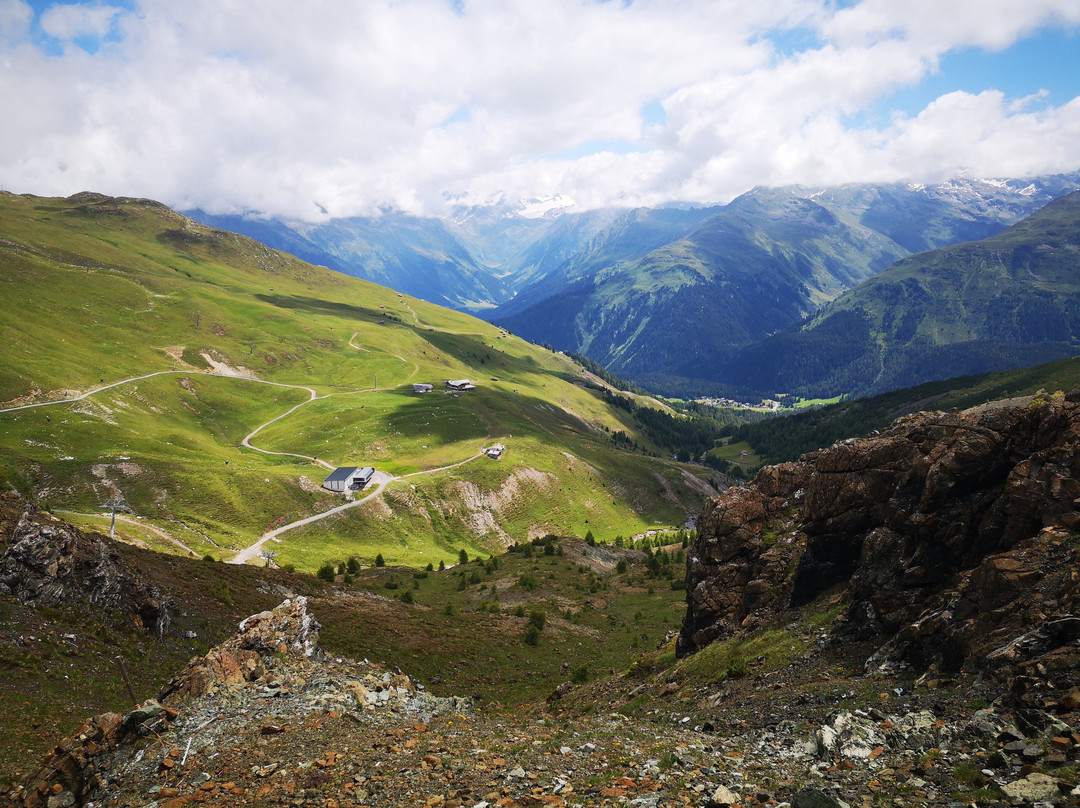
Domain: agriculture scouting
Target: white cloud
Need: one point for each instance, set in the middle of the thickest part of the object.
(15, 19)
(941, 25)
(281, 105)
(72, 21)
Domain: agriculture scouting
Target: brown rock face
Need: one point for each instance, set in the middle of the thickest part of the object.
(72, 767)
(69, 769)
(952, 534)
(287, 629)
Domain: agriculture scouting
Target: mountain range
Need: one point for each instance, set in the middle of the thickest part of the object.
(663, 296)
(1004, 302)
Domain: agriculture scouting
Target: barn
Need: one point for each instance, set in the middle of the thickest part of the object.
(348, 478)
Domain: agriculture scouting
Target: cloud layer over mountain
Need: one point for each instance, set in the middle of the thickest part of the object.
(333, 108)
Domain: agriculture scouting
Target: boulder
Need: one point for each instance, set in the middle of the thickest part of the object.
(1033, 788)
(724, 796)
(848, 735)
(813, 798)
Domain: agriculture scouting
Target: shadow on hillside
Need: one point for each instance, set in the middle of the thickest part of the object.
(472, 350)
(319, 306)
(485, 414)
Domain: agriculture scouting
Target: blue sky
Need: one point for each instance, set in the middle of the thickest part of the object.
(1046, 64)
(345, 107)
(91, 41)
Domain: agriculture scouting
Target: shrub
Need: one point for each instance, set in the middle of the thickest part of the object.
(407, 596)
(736, 668)
(442, 565)
(621, 567)
(580, 676)
(968, 774)
(519, 610)
(353, 565)
(430, 567)
(667, 760)
(589, 538)
(326, 572)
(462, 556)
(380, 561)
(532, 635)
(448, 609)
(221, 592)
(538, 618)
(527, 581)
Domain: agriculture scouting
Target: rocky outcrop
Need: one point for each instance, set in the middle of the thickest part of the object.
(69, 773)
(269, 679)
(288, 629)
(952, 535)
(72, 771)
(49, 562)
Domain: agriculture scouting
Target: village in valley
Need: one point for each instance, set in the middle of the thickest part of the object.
(767, 404)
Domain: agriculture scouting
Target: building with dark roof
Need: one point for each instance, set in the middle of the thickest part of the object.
(348, 478)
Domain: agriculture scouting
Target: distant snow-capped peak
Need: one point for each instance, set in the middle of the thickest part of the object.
(548, 206)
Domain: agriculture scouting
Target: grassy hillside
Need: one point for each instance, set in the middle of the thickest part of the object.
(461, 631)
(107, 292)
(1004, 302)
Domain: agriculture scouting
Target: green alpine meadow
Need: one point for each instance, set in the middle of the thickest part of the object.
(209, 384)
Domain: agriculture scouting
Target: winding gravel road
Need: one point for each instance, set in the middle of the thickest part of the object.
(380, 480)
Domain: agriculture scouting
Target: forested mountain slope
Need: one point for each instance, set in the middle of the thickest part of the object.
(1007, 301)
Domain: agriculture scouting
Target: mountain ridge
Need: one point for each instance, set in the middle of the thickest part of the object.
(501, 239)
(578, 317)
(1004, 302)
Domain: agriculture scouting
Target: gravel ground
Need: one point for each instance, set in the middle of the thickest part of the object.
(295, 729)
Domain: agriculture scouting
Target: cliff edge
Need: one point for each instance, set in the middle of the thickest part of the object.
(952, 536)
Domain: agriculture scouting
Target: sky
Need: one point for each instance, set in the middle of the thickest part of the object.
(332, 108)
